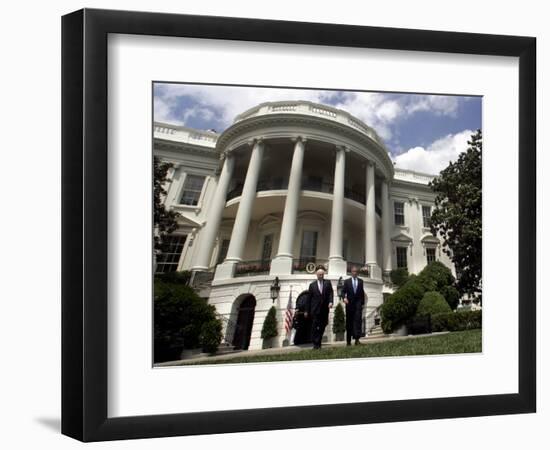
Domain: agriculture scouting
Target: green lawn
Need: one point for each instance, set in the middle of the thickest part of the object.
(457, 342)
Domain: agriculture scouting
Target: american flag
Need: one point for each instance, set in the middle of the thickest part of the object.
(288, 314)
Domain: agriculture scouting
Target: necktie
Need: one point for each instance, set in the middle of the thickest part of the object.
(354, 285)
(320, 287)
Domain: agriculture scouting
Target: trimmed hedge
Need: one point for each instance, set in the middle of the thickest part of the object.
(403, 303)
(339, 320)
(432, 303)
(211, 336)
(451, 295)
(456, 321)
(399, 276)
(435, 276)
(179, 314)
(269, 329)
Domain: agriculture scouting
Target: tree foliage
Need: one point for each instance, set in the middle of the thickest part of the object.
(164, 220)
(457, 215)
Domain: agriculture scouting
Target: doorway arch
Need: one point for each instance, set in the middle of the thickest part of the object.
(245, 319)
(303, 325)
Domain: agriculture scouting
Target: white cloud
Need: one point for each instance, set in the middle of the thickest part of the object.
(437, 155)
(378, 110)
(441, 105)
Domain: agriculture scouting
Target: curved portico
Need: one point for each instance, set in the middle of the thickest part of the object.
(296, 152)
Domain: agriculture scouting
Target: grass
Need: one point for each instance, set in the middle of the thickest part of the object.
(456, 342)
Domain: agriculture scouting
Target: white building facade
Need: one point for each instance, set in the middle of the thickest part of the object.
(288, 187)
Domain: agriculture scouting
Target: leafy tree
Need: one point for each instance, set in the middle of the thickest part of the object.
(164, 220)
(457, 215)
(339, 321)
(269, 329)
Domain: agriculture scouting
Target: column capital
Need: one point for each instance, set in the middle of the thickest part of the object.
(298, 138)
(254, 141)
(344, 148)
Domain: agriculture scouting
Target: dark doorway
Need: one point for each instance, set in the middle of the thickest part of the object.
(245, 319)
(303, 325)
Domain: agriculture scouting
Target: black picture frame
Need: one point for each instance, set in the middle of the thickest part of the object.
(84, 224)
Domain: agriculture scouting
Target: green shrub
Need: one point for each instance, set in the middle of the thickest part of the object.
(451, 295)
(179, 314)
(339, 321)
(457, 321)
(401, 305)
(432, 303)
(211, 336)
(399, 276)
(269, 329)
(435, 276)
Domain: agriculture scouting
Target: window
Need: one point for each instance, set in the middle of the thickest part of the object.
(430, 255)
(401, 257)
(426, 216)
(399, 213)
(222, 253)
(266, 248)
(192, 188)
(309, 245)
(313, 183)
(169, 257)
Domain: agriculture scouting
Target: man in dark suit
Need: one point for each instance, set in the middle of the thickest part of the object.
(354, 298)
(320, 301)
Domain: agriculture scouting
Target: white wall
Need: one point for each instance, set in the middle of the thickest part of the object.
(30, 388)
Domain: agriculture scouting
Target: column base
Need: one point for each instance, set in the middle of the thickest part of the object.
(281, 265)
(375, 271)
(225, 270)
(337, 267)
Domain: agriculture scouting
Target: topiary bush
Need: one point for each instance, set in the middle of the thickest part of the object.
(401, 305)
(435, 276)
(339, 320)
(179, 314)
(457, 321)
(399, 276)
(432, 303)
(452, 296)
(269, 329)
(211, 336)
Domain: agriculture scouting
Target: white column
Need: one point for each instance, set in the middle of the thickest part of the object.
(214, 216)
(337, 265)
(282, 263)
(370, 217)
(242, 220)
(386, 225)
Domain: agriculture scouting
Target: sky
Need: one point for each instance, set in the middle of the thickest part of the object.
(422, 132)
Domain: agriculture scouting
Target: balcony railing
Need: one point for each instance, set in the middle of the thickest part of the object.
(308, 265)
(367, 270)
(308, 185)
(364, 270)
(255, 267)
